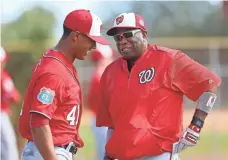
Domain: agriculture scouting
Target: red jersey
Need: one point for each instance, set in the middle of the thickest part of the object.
(93, 93)
(145, 106)
(9, 93)
(54, 92)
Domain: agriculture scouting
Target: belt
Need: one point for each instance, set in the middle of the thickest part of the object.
(70, 147)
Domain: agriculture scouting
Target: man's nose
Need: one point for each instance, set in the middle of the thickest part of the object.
(123, 40)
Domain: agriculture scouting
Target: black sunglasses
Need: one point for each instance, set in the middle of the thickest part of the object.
(126, 35)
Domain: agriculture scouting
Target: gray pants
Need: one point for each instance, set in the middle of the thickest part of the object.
(8, 139)
(30, 152)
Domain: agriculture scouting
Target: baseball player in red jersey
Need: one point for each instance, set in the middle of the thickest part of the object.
(101, 56)
(9, 95)
(51, 114)
(142, 96)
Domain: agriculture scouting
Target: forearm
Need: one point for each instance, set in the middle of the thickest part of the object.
(205, 104)
(200, 114)
(109, 134)
(43, 139)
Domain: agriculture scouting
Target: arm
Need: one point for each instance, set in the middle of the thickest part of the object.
(47, 95)
(109, 134)
(93, 94)
(44, 143)
(103, 117)
(199, 113)
(198, 84)
(11, 91)
(191, 135)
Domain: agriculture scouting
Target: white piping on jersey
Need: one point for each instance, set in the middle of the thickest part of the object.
(63, 64)
(32, 111)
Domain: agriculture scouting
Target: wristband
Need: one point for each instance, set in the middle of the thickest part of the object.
(197, 122)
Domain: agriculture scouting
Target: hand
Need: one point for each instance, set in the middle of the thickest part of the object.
(175, 155)
(189, 138)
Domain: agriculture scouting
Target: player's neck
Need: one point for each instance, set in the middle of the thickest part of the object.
(65, 51)
(130, 64)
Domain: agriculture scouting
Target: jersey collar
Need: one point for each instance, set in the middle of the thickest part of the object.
(60, 57)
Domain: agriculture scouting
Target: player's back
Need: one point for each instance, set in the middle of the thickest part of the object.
(64, 110)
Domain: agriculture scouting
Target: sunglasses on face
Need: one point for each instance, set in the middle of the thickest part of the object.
(126, 35)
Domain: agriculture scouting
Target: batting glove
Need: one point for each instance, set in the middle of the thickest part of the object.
(189, 138)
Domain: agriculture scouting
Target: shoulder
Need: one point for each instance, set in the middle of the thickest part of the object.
(6, 82)
(51, 67)
(114, 65)
(49, 78)
(112, 68)
(165, 51)
(5, 74)
(52, 64)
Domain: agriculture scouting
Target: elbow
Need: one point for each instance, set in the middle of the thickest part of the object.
(213, 90)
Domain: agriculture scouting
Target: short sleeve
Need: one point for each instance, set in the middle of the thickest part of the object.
(103, 115)
(47, 94)
(190, 77)
(8, 86)
(10, 90)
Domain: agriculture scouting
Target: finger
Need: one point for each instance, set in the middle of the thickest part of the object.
(184, 147)
(181, 147)
(175, 147)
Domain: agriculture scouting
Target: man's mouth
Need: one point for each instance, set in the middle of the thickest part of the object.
(88, 52)
(125, 49)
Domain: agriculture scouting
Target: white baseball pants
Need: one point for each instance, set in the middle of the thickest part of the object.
(30, 152)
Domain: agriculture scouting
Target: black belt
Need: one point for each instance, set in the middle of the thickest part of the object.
(73, 149)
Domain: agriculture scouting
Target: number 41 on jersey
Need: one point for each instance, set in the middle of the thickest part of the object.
(73, 115)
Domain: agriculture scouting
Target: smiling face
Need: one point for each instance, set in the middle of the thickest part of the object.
(131, 43)
(82, 45)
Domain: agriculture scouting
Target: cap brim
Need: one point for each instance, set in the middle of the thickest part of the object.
(112, 31)
(99, 39)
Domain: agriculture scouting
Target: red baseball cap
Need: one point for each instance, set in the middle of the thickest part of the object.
(87, 23)
(127, 20)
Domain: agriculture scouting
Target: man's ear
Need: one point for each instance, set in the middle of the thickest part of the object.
(144, 34)
(74, 35)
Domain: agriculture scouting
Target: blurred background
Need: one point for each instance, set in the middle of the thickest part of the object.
(200, 29)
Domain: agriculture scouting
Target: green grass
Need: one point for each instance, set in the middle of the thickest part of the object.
(210, 144)
(88, 151)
